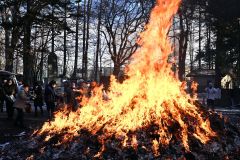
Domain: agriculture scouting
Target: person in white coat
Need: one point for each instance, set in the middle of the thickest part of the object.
(20, 104)
(211, 95)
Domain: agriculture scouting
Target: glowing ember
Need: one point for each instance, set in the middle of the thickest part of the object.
(151, 96)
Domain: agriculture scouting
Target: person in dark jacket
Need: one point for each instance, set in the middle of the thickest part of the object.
(38, 98)
(70, 95)
(2, 95)
(67, 92)
(10, 90)
(50, 98)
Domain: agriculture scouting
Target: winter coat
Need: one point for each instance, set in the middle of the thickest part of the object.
(69, 94)
(49, 95)
(38, 100)
(2, 93)
(211, 93)
(9, 90)
(22, 99)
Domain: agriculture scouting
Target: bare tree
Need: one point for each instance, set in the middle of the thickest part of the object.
(76, 40)
(183, 44)
(98, 40)
(28, 57)
(199, 37)
(84, 38)
(65, 40)
(185, 15)
(123, 20)
(11, 22)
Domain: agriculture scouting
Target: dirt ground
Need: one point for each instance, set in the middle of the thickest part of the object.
(9, 132)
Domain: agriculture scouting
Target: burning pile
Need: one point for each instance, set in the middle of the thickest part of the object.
(149, 113)
(150, 96)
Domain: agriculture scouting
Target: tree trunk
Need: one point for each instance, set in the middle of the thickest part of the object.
(89, 6)
(199, 41)
(8, 53)
(41, 66)
(209, 59)
(15, 37)
(14, 32)
(191, 50)
(174, 49)
(42, 54)
(65, 41)
(100, 67)
(116, 70)
(36, 55)
(84, 41)
(98, 40)
(76, 43)
(17, 62)
(183, 42)
(10, 49)
(28, 58)
(238, 49)
(218, 59)
(182, 59)
(53, 35)
(181, 71)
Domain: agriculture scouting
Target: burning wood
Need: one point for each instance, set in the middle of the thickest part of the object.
(150, 96)
(97, 146)
(148, 116)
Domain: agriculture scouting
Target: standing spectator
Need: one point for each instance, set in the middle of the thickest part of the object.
(74, 103)
(211, 91)
(20, 85)
(67, 92)
(38, 98)
(10, 90)
(2, 94)
(81, 94)
(93, 88)
(50, 97)
(218, 96)
(21, 104)
(70, 95)
(85, 89)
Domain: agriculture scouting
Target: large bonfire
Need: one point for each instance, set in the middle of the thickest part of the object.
(150, 97)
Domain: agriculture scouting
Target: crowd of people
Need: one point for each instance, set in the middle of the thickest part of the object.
(21, 97)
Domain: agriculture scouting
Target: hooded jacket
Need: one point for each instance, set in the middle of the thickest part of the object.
(22, 99)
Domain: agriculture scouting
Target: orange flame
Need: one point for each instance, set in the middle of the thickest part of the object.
(155, 147)
(151, 95)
